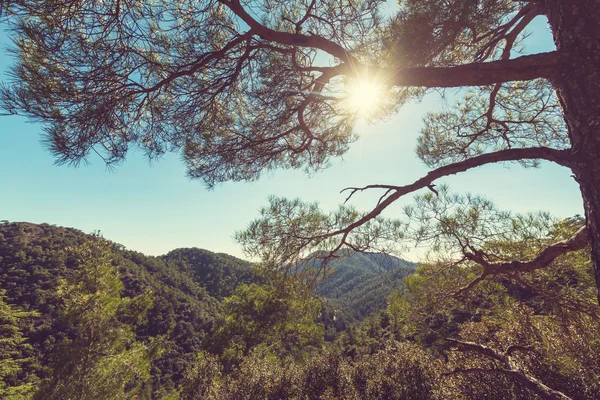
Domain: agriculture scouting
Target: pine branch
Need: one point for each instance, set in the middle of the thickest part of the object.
(545, 153)
(523, 68)
(578, 241)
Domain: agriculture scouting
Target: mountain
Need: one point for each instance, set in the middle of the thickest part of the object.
(218, 273)
(358, 284)
(187, 286)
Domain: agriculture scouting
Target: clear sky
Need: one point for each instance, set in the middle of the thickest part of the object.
(154, 208)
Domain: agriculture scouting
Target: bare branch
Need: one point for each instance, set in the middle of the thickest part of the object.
(578, 241)
(478, 371)
(530, 382)
(513, 348)
(504, 32)
(470, 286)
(432, 188)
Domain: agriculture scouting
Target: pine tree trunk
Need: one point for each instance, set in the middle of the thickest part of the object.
(576, 28)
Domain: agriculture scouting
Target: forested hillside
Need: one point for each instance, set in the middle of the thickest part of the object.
(184, 290)
(179, 300)
(218, 273)
(81, 317)
(358, 285)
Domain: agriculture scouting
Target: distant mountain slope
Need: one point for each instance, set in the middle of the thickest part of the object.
(218, 273)
(359, 284)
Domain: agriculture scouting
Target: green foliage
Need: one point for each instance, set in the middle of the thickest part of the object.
(280, 315)
(202, 378)
(532, 101)
(329, 376)
(238, 110)
(398, 371)
(102, 359)
(219, 274)
(263, 375)
(15, 353)
(359, 284)
(550, 314)
(430, 32)
(120, 324)
(34, 261)
(183, 311)
(280, 235)
(237, 102)
(243, 97)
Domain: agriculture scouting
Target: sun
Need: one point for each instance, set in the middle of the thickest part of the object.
(364, 97)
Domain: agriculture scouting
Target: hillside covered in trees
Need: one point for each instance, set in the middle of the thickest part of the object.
(178, 303)
(82, 317)
(40, 264)
(358, 284)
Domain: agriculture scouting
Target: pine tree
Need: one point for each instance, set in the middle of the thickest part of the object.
(101, 360)
(14, 352)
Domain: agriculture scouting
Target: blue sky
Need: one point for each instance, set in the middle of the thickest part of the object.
(154, 208)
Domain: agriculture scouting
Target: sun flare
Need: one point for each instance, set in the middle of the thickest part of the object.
(364, 97)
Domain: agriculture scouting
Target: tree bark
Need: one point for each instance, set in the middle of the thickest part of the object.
(576, 29)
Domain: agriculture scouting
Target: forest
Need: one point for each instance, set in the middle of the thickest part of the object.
(500, 305)
(84, 318)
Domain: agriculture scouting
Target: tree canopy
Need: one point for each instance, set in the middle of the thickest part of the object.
(243, 87)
